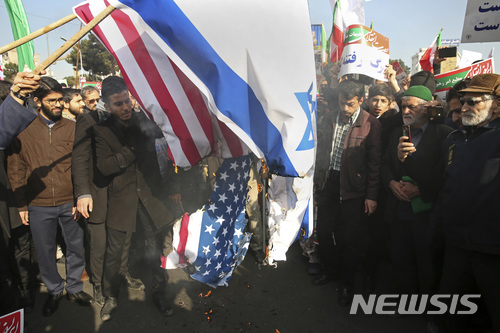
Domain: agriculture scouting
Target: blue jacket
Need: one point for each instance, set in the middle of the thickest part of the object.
(14, 118)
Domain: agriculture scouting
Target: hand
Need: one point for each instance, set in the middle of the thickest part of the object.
(25, 217)
(390, 75)
(176, 197)
(85, 206)
(411, 190)
(370, 206)
(405, 148)
(397, 189)
(405, 84)
(27, 82)
(76, 214)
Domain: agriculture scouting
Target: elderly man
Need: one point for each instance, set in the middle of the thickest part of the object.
(468, 204)
(411, 170)
(91, 97)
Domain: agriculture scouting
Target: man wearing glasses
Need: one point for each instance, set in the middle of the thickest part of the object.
(412, 170)
(467, 208)
(39, 170)
(91, 97)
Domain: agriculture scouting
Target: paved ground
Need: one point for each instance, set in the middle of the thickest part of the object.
(269, 299)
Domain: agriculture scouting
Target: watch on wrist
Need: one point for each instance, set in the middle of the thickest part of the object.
(21, 97)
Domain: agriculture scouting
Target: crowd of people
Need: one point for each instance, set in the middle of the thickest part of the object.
(404, 175)
(399, 174)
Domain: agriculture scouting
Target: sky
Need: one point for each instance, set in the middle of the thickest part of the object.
(409, 25)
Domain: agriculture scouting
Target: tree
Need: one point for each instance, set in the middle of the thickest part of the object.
(70, 80)
(10, 70)
(405, 68)
(96, 59)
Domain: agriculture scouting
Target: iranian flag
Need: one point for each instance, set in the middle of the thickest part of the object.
(337, 36)
(427, 60)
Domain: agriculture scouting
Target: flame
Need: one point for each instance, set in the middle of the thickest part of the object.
(176, 169)
(277, 331)
(208, 294)
(208, 318)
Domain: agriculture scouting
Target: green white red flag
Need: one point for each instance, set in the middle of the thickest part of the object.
(427, 60)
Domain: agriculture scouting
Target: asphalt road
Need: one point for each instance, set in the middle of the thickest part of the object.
(258, 299)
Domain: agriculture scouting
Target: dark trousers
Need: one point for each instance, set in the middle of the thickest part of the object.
(22, 246)
(43, 223)
(412, 256)
(341, 230)
(97, 240)
(471, 272)
(114, 250)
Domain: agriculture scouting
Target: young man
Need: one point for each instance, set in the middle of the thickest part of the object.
(73, 103)
(39, 170)
(126, 154)
(347, 178)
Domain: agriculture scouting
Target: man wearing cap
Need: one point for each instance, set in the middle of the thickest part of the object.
(412, 171)
(467, 207)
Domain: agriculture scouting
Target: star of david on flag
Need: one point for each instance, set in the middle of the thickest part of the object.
(213, 239)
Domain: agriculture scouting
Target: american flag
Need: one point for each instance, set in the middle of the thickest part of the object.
(169, 96)
(213, 238)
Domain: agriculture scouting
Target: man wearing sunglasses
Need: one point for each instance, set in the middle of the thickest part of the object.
(39, 170)
(468, 204)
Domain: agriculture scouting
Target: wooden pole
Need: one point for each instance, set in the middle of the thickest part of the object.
(37, 33)
(72, 41)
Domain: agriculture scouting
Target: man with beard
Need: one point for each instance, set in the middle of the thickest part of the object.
(39, 169)
(126, 154)
(412, 171)
(90, 95)
(347, 178)
(467, 209)
(73, 103)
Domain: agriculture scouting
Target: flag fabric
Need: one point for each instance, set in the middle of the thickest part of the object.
(184, 69)
(490, 55)
(21, 28)
(290, 213)
(345, 13)
(427, 60)
(212, 238)
(337, 36)
(324, 52)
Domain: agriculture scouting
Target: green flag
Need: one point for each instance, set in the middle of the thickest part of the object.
(21, 28)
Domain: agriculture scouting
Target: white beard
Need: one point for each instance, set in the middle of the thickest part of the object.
(470, 118)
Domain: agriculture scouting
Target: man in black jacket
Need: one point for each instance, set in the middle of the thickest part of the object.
(412, 172)
(468, 204)
(126, 154)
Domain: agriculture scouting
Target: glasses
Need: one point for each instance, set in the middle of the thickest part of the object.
(54, 101)
(473, 101)
(414, 108)
(92, 101)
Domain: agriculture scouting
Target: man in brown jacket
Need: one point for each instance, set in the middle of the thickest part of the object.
(126, 154)
(39, 170)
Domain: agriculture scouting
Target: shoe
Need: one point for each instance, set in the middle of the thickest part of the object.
(313, 268)
(345, 297)
(162, 304)
(323, 279)
(51, 304)
(80, 297)
(109, 305)
(98, 297)
(27, 301)
(133, 284)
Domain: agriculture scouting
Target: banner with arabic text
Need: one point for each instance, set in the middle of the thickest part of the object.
(365, 52)
(447, 80)
(482, 22)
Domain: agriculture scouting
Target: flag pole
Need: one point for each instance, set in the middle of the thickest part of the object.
(37, 33)
(72, 41)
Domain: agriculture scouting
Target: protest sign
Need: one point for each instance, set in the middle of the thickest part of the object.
(482, 22)
(365, 52)
(447, 80)
(12, 322)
